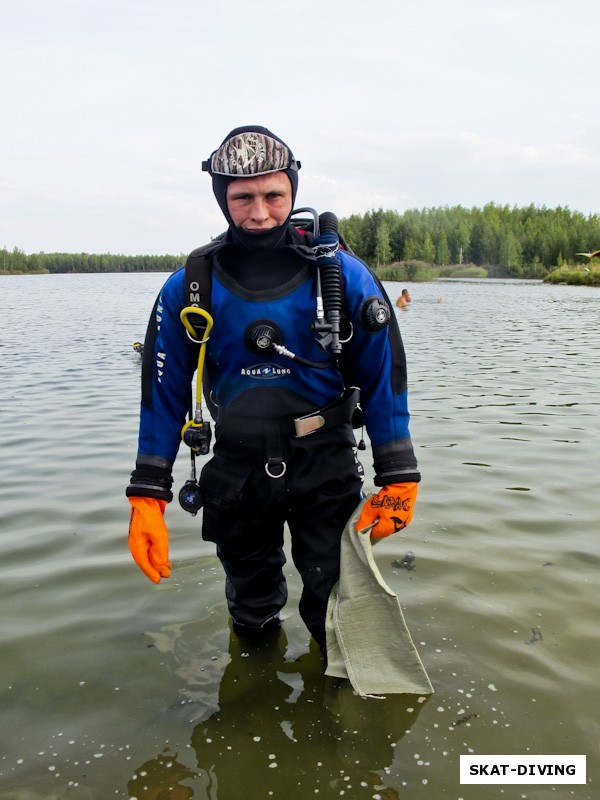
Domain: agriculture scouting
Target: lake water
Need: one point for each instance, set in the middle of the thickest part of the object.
(113, 687)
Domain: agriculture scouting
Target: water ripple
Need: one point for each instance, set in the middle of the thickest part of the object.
(110, 683)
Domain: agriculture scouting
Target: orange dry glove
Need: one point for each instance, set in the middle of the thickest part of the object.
(392, 506)
(148, 537)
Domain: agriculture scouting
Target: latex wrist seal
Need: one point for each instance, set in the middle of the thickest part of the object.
(395, 463)
(151, 478)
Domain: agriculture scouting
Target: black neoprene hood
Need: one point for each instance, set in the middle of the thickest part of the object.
(250, 151)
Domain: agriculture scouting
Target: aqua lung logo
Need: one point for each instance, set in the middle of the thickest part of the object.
(265, 371)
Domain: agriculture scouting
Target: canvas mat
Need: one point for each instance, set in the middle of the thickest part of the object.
(368, 641)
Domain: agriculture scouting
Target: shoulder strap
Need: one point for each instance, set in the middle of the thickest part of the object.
(198, 267)
(197, 292)
(198, 274)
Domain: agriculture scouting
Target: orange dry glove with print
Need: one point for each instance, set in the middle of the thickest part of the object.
(149, 538)
(392, 507)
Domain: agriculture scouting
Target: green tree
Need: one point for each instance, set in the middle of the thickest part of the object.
(383, 250)
(442, 251)
(427, 252)
(509, 251)
(412, 250)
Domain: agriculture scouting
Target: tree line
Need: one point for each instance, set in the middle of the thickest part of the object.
(526, 242)
(500, 241)
(18, 262)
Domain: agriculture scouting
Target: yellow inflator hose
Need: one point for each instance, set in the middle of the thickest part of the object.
(185, 313)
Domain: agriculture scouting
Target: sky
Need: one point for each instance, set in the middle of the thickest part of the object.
(109, 107)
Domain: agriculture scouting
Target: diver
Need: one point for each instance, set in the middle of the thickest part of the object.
(300, 326)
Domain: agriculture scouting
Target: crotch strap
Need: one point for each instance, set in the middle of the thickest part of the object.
(275, 466)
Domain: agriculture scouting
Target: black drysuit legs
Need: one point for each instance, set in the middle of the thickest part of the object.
(245, 510)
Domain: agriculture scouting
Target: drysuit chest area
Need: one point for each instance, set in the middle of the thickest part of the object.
(240, 352)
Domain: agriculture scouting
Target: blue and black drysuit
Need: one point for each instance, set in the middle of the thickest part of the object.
(262, 473)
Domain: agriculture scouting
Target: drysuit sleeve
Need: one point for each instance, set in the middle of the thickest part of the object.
(375, 361)
(168, 366)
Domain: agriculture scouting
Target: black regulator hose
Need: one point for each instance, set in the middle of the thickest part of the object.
(328, 222)
(265, 336)
(331, 284)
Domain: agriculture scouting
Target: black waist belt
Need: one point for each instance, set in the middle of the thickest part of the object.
(336, 413)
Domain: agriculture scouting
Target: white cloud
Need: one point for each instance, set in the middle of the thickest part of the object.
(109, 108)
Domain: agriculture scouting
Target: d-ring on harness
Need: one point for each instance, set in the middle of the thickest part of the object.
(275, 466)
(275, 462)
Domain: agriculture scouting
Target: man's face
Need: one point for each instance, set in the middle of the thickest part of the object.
(258, 204)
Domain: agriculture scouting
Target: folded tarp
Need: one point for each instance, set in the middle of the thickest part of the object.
(368, 641)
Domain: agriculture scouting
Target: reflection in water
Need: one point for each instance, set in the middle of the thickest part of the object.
(282, 729)
(161, 779)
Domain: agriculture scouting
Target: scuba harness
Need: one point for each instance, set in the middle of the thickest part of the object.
(263, 335)
(198, 269)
